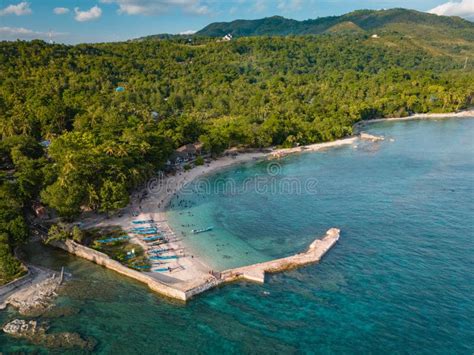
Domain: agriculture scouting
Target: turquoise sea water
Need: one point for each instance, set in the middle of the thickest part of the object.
(399, 281)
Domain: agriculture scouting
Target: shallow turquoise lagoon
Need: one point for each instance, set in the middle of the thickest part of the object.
(399, 281)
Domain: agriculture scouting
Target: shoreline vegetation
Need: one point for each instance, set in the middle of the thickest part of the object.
(191, 275)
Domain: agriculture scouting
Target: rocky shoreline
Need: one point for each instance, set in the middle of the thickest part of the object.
(35, 299)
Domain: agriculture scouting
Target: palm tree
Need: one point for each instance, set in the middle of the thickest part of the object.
(110, 149)
(120, 151)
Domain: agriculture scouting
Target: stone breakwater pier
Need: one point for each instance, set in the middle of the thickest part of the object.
(315, 252)
(185, 290)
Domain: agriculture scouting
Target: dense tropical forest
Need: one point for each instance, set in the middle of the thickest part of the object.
(254, 92)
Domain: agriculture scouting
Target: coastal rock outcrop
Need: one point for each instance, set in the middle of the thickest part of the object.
(36, 333)
(23, 328)
(371, 137)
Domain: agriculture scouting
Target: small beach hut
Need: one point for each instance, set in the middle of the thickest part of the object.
(185, 153)
(190, 150)
(187, 150)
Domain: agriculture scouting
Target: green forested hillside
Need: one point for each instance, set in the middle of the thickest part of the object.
(256, 91)
(368, 20)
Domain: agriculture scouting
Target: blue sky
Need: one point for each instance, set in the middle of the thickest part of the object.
(73, 21)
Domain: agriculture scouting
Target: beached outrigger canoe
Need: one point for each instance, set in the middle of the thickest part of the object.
(152, 238)
(143, 221)
(197, 231)
(152, 231)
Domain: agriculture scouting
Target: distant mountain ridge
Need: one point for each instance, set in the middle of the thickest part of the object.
(357, 21)
(402, 28)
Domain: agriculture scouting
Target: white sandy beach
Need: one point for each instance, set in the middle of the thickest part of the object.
(418, 116)
(188, 270)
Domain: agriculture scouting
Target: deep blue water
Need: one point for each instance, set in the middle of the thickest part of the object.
(399, 281)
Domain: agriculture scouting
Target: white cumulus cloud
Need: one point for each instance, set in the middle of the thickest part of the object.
(260, 5)
(92, 14)
(60, 10)
(463, 8)
(13, 33)
(290, 5)
(23, 8)
(188, 32)
(152, 7)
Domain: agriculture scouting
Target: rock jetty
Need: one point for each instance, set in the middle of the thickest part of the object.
(186, 290)
(314, 254)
